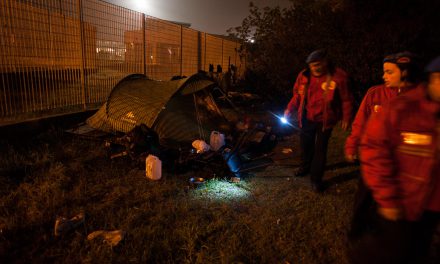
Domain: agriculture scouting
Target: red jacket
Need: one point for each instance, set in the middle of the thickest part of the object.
(325, 103)
(376, 97)
(399, 157)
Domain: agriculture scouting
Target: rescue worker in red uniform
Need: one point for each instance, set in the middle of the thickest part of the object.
(321, 98)
(401, 73)
(400, 162)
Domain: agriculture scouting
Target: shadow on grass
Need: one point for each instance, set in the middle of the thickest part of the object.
(342, 178)
(341, 165)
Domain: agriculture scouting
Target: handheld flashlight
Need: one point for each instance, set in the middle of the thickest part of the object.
(283, 120)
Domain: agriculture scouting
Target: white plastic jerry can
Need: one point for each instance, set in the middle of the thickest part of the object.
(153, 167)
(217, 140)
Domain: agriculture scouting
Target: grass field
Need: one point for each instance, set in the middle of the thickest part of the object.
(269, 217)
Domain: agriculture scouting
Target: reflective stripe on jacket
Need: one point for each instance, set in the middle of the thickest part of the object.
(376, 97)
(398, 154)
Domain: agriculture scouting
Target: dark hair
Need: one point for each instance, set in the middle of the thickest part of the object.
(331, 68)
(409, 62)
(434, 65)
(317, 55)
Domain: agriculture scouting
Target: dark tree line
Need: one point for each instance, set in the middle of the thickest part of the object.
(357, 34)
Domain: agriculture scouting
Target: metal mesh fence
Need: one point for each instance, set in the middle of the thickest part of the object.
(229, 51)
(163, 49)
(213, 52)
(40, 56)
(65, 56)
(190, 51)
(114, 27)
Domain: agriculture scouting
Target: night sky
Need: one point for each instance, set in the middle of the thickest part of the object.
(205, 15)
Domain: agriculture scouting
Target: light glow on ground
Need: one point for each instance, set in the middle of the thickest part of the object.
(222, 190)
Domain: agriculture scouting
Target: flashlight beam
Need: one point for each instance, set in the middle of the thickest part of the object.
(284, 120)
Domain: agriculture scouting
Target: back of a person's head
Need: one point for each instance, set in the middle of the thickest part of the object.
(433, 66)
(433, 69)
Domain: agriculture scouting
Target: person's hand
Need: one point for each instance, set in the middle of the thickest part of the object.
(286, 113)
(391, 214)
(344, 125)
(350, 158)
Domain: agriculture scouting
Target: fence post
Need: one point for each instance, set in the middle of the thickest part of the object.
(222, 55)
(199, 51)
(83, 57)
(204, 63)
(144, 42)
(235, 54)
(181, 50)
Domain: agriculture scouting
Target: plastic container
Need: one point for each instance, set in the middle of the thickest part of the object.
(216, 140)
(232, 160)
(153, 167)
